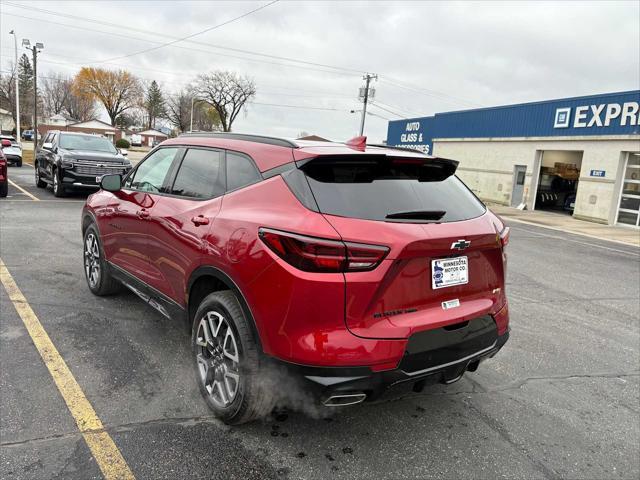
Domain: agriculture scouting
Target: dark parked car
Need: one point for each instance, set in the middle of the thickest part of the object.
(69, 160)
(27, 134)
(357, 268)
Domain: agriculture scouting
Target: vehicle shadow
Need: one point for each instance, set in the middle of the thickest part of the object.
(395, 437)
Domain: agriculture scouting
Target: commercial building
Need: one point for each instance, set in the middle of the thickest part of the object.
(576, 155)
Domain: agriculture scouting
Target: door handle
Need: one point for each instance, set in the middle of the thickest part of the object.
(200, 220)
(144, 213)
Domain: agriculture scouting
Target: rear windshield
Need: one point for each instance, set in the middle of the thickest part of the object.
(390, 189)
(86, 142)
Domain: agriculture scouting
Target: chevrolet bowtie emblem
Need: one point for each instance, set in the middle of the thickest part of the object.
(460, 245)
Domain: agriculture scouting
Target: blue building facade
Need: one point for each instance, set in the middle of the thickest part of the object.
(597, 115)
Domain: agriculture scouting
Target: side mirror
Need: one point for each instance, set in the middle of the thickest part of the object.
(47, 146)
(111, 183)
(6, 143)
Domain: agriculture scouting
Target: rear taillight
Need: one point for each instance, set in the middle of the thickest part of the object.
(312, 254)
(504, 236)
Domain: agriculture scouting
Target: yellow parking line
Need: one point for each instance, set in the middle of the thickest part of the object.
(102, 447)
(33, 197)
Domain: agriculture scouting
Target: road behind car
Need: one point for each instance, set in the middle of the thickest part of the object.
(561, 399)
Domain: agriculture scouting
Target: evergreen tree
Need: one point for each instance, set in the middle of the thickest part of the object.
(154, 104)
(25, 80)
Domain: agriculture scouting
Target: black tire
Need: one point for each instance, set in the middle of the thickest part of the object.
(254, 397)
(58, 188)
(39, 182)
(103, 283)
(4, 189)
(19, 163)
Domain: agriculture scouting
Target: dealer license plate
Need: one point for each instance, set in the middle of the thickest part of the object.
(447, 272)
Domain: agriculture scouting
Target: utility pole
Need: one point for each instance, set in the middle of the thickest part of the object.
(367, 78)
(191, 122)
(35, 50)
(15, 50)
(35, 100)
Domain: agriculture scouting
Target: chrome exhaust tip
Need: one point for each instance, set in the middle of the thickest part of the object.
(344, 400)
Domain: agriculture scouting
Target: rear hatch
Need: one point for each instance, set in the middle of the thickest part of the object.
(445, 263)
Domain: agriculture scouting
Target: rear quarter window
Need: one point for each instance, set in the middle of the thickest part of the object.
(240, 171)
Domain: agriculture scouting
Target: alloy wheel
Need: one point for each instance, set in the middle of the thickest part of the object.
(92, 260)
(56, 185)
(37, 174)
(218, 358)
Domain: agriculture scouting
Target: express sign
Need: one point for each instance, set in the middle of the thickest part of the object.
(602, 115)
(607, 114)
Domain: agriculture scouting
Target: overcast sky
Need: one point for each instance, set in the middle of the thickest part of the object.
(430, 57)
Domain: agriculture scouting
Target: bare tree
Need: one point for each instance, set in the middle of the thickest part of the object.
(59, 97)
(226, 92)
(134, 117)
(8, 93)
(79, 107)
(179, 110)
(206, 118)
(55, 91)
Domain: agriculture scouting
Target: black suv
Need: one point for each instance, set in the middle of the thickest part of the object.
(69, 160)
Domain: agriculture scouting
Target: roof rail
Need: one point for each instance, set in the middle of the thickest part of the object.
(280, 142)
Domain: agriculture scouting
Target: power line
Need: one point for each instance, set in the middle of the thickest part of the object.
(164, 35)
(255, 60)
(408, 113)
(387, 110)
(334, 69)
(303, 107)
(170, 95)
(427, 92)
(189, 36)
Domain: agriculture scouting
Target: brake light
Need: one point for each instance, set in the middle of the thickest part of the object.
(504, 236)
(312, 254)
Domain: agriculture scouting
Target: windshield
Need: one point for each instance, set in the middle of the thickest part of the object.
(87, 142)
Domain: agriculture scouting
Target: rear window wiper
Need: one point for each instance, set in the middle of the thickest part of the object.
(429, 215)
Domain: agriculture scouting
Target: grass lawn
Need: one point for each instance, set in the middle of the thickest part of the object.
(27, 156)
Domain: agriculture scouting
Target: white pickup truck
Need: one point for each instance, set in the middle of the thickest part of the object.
(136, 140)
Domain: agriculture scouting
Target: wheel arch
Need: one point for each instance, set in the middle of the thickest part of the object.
(207, 279)
(87, 219)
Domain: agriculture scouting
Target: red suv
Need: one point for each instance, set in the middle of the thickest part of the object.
(355, 267)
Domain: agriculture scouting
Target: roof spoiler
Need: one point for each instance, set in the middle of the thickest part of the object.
(433, 169)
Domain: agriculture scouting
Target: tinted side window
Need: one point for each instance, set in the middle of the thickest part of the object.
(200, 175)
(240, 171)
(150, 175)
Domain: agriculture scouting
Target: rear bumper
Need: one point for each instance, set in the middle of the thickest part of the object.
(357, 384)
(11, 158)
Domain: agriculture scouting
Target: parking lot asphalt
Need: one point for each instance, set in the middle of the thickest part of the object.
(561, 400)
